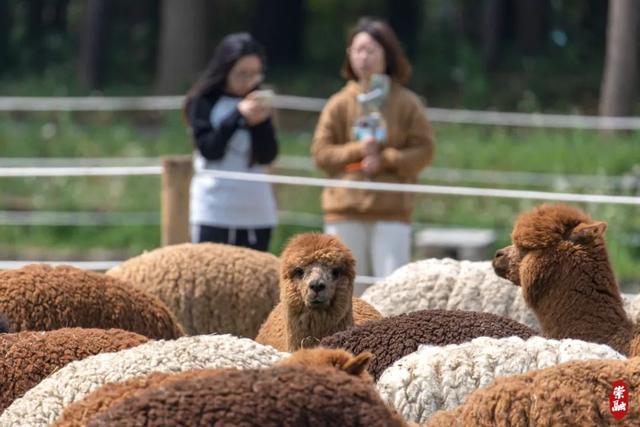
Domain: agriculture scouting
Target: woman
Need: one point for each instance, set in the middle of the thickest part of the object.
(232, 131)
(375, 225)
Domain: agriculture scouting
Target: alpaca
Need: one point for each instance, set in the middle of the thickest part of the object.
(43, 403)
(79, 413)
(208, 285)
(338, 358)
(28, 357)
(392, 338)
(449, 284)
(441, 378)
(559, 259)
(281, 395)
(316, 294)
(38, 297)
(575, 393)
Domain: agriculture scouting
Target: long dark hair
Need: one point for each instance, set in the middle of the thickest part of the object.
(398, 66)
(229, 51)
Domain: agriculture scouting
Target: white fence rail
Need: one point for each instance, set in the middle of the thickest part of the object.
(598, 183)
(299, 103)
(322, 182)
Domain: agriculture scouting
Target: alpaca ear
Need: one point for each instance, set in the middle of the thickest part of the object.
(358, 364)
(585, 233)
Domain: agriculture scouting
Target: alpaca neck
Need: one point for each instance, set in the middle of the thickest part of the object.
(312, 325)
(591, 311)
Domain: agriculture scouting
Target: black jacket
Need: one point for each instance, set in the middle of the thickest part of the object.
(212, 143)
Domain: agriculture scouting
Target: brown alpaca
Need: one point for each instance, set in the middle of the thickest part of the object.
(316, 294)
(338, 358)
(102, 399)
(559, 259)
(575, 393)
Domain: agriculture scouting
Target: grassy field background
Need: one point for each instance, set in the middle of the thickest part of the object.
(88, 135)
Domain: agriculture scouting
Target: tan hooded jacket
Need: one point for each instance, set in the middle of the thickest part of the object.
(408, 149)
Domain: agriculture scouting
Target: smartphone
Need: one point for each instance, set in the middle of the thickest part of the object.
(264, 96)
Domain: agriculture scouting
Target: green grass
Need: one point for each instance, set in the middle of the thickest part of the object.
(156, 134)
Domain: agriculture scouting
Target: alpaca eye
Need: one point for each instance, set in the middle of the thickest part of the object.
(336, 272)
(298, 272)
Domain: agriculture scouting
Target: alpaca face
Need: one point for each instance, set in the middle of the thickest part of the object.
(506, 263)
(551, 244)
(317, 270)
(318, 283)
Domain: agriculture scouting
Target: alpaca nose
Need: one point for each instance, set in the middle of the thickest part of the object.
(500, 253)
(317, 286)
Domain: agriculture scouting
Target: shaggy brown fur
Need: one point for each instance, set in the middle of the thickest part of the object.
(559, 259)
(78, 413)
(570, 394)
(394, 337)
(279, 396)
(210, 287)
(26, 358)
(316, 294)
(39, 297)
(338, 358)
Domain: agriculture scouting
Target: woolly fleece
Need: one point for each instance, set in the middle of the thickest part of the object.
(77, 414)
(392, 338)
(632, 306)
(448, 284)
(41, 405)
(39, 297)
(28, 357)
(574, 393)
(435, 378)
(211, 288)
(280, 396)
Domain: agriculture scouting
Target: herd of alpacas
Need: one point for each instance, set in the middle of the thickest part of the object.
(212, 334)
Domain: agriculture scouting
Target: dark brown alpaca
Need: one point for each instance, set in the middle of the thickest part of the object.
(560, 260)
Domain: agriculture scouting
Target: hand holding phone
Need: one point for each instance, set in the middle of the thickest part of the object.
(263, 96)
(256, 106)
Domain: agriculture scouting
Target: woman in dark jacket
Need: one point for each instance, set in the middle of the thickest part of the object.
(230, 121)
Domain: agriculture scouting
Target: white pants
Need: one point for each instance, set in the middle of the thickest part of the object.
(378, 247)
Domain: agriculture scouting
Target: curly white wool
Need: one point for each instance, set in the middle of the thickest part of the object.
(435, 378)
(632, 306)
(449, 284)
(41, 405)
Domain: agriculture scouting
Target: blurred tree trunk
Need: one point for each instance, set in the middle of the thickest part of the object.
(492, 25)
(35, 34)
(278, 25)
(92, 49)
(405, 17)
(617, 94)
(59, 18)
(5, 32)
(532, 24)
(184, 43)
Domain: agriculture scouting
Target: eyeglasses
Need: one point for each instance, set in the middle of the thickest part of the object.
(248, 77)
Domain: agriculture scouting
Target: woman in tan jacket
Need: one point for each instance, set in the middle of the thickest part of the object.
(375, 225)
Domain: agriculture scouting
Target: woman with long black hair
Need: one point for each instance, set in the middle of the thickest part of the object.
(232, 130)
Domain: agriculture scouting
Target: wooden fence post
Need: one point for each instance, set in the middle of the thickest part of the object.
(176, 179)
